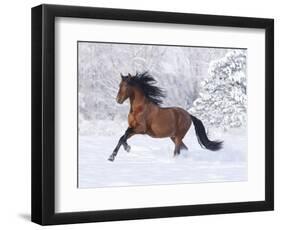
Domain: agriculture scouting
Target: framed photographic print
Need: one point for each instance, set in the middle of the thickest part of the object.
(142, 114)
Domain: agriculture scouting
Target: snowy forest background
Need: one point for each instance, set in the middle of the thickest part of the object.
(211, 83)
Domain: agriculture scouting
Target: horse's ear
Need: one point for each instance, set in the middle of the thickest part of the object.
(123, 77)
(129, 75)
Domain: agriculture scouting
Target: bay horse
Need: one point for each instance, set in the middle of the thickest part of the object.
(147, 117)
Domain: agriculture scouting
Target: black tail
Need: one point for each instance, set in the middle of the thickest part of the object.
(202, 136)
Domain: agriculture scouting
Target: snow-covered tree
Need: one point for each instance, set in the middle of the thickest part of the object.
(222, 100)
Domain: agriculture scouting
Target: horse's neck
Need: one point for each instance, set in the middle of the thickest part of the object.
(137, 99)
(139, 102)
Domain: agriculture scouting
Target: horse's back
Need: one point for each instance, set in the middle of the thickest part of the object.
(182, 121)
(169, 122)
(178, 112)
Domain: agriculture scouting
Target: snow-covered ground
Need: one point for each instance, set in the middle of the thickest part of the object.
(151, 161)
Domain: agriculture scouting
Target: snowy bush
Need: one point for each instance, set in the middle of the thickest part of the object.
(222, 100)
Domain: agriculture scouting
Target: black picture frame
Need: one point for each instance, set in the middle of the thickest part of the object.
(43, 114)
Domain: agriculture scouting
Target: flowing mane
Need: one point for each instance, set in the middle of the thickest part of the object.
(145, 82)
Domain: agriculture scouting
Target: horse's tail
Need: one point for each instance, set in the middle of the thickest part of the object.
(202, 136)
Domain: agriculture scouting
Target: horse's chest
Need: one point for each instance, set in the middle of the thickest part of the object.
(135, 117)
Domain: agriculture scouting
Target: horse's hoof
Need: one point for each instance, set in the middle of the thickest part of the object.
(127, 148)
(111, 158)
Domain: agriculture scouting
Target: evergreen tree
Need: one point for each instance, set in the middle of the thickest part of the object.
(222, 100)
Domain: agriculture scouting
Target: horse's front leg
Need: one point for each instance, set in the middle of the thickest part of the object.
(126, 146)
(134, 131)
(122, 141)
(115, 151)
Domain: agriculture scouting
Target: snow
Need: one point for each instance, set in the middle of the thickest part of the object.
(151, 161)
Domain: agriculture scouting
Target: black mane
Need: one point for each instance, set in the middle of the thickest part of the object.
(145, 82)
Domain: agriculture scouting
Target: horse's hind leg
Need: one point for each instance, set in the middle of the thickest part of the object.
(177, 150)
(183, 146)
(178, 142)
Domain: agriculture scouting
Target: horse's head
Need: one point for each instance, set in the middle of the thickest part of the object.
(124, 89)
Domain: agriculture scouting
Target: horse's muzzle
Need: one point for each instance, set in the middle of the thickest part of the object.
(119, 100)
